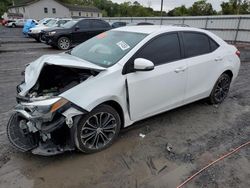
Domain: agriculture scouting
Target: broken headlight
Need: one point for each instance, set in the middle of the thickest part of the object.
(46, 106)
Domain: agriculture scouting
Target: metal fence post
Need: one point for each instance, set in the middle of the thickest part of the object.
(237, 30)
(206, 24)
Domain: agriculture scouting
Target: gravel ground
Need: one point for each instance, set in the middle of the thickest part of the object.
(198, 133)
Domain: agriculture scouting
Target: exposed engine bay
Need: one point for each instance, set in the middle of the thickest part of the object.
(43, 122)
(54, 80)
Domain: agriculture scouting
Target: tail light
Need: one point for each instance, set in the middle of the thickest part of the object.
(237, 53)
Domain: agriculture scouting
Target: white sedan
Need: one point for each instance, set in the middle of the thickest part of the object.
(82, 98)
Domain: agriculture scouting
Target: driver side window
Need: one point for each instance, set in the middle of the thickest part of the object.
(161, 50)
(83, 25)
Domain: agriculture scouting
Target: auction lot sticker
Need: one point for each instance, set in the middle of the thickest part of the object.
(123, 45)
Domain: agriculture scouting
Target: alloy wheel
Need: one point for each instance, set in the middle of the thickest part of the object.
(98, 130)
(222, 89)
(64, 43)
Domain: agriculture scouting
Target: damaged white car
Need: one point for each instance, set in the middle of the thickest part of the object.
(82, 98)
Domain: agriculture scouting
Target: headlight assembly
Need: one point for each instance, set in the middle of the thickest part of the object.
(52, 33)
(46, 106)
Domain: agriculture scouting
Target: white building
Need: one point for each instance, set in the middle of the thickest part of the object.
(39, 9)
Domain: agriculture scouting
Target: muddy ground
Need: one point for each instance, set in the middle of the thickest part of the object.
(198, 133)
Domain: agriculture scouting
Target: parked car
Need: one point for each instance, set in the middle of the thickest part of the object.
(75, 32)
(145, 23)
(16, 23)
(36, 32)
(44, 21)
(118, 24)
(6, 22)
(82, 98)
(28, 25)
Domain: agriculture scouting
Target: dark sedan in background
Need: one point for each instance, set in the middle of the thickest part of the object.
(74, 32)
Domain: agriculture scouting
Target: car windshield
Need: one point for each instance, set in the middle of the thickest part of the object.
(107, 48)
(70, 24)
(51, 23)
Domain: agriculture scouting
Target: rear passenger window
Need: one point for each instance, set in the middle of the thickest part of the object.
(98, 24)
(163, 49)
(195, 44)
(213, 45)
(84, 24)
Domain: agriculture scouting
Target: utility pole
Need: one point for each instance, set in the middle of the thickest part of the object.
(161, 7)
(13, 3)
(238, 8)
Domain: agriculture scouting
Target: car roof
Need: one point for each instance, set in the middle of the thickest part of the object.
(149, 29)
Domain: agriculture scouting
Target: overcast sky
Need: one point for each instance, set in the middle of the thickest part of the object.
(170, 4)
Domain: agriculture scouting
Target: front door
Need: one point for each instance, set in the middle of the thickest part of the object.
(164, 87)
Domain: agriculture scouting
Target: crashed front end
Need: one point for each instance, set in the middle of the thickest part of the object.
(43, 122)
(43, 127)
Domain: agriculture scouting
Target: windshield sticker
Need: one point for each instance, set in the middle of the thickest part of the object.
(123, 45)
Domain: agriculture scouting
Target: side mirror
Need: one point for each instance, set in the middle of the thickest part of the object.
(141, 64)
(77, 28)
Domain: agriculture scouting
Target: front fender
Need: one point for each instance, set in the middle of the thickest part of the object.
(96, 90)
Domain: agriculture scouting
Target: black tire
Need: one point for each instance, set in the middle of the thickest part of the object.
(221, 89)
(90, 137)
(64, 43)
(13, 25)
(41, 38)
(37, 39)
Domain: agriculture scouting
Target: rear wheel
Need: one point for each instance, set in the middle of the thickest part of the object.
(220, 90)
(13, 25)
(98, 129)
(63, 43)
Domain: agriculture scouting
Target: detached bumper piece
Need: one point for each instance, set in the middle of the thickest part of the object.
(48, 138)
(19, 135)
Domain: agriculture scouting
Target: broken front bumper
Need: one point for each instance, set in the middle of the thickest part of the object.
(44, 127)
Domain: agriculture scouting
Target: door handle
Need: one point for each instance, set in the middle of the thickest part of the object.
(180, 69)
(218, 59)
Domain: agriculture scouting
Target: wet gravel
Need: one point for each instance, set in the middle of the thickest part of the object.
(198, 133)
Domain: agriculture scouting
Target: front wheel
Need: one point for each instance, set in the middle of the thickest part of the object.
(221, 89)
(63, 43)
(98, 129)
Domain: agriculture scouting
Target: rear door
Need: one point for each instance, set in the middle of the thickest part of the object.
(80, 31)
(97, 27)
(203, 61)
(163, 88)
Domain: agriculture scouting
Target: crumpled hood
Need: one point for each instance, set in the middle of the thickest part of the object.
(32, 71)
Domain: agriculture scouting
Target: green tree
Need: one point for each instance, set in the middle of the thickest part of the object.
(179, 11)
(201, 8)
(235, 7)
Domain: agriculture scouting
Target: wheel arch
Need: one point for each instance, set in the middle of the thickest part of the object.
(118, 108)
(229, 73)
(64, 35)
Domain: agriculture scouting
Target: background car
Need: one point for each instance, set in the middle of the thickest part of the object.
(28, 25)
(36, 32)
(118, 24)
(17, 23)
(75, 32)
